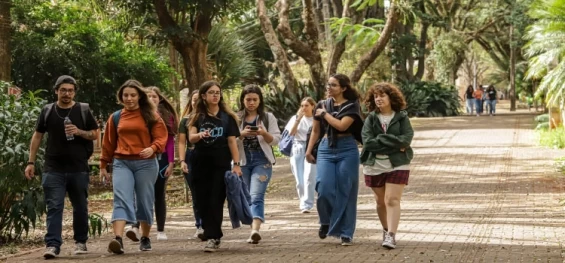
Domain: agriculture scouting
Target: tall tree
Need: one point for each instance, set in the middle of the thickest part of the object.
(188, 24)
(5, 37)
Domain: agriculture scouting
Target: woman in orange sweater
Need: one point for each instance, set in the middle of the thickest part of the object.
(132, 137)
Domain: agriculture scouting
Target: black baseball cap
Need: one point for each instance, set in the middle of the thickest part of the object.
(65, 79)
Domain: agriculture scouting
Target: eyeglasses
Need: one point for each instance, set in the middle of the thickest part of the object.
(332, 85)
(214, 93)
(67, 91)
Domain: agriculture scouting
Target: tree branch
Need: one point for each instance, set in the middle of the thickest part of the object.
(378, 48)
(278, 51)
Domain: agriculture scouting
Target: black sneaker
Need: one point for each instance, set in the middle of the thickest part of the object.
(51, 252)
(145, 244)
(346, 241)
(116, 246)
(323, 232)
(212, 245)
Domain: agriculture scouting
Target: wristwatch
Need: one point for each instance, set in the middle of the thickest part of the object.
(236, 164)
(30, 162)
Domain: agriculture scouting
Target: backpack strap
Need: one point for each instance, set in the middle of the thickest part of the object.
(84, 111)
(48, 109)
(116, 120)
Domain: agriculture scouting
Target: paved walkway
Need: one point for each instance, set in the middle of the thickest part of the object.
(480, 191)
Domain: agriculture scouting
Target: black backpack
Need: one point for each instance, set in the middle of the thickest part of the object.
(84, 111)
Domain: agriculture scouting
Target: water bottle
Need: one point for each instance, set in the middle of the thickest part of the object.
(70, 137)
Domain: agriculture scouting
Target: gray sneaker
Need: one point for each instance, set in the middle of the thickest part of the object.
(51, 252)
(212, 245)
(80, 248)
(384, 234)
(145, 244)
(390, 241)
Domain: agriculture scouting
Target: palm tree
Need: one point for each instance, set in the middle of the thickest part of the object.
(546, 49)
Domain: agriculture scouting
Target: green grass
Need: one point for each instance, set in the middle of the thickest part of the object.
(554, 138)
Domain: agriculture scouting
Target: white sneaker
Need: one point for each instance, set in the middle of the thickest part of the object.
(199, 234)
(133, 234)
(254, 238)
(161, 236)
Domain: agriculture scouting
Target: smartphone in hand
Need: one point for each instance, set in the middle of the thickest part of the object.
(254, 128)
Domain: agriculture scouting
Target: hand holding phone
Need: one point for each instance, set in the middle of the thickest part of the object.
(254, 128)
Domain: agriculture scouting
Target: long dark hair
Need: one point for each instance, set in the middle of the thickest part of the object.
(248, 89)
(397, 101)
(147, 108)
(188, 108)
(470, 88)
(349, 93)
(201, 109)
(166, 110)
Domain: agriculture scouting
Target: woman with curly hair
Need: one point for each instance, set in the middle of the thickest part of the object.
(387, 134)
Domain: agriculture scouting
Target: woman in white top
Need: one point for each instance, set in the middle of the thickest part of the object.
(304, 172)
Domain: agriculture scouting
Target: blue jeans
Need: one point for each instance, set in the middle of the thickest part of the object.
(304, 174)
(337, 183)
(478, 106)
(134, 177)
(257, 173)
(189, 178)
(55, 186)
(492, 106)
(470, 105)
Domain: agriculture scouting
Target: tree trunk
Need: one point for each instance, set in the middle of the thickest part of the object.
(5, 52)
(512, 72)
(378, 48)
(337, 48)
(279, 53)
(308, 50)
(193, 49)
(326, 15)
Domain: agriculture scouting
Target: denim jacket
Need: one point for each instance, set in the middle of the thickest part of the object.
(238, 200)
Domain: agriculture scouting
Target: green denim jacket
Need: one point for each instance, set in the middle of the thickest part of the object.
(375, 141)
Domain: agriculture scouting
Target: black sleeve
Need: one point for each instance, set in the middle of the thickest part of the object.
(232, 128)
(91, 123)
(320, 105)
(40, 125)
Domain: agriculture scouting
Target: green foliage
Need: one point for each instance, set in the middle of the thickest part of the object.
(361, 35)
(430, 99)
(21, 201)
(546, 51)
(448, 48)
(554, 138)
(97, 224)
(284, 105)
(233, 56)
(560, 167)
(542, 118)
(60, 38)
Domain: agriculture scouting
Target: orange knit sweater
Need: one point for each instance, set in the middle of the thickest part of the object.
(132, 137)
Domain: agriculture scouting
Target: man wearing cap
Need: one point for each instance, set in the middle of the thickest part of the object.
(66, 163)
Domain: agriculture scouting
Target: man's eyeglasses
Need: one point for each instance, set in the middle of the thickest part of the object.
(67, 91)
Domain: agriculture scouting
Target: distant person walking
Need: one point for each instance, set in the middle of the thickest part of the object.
(491, 100)
(470, 100)
(478, 95)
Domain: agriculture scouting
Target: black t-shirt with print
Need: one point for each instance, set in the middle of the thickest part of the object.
(251, 143)
(61, 155)
(491, 94)
(221, 127)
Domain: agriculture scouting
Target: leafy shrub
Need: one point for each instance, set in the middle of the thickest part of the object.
(21, 201)
(554, 138)
(430, 99)
(542, 118)
(284, 105)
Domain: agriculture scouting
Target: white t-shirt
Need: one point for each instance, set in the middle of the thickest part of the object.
(303, 126)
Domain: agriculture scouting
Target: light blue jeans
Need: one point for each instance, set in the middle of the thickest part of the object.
(470, 105)
(304, 174)
(491, 106)
(134, 177)
(337, 183)
(257, 173)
